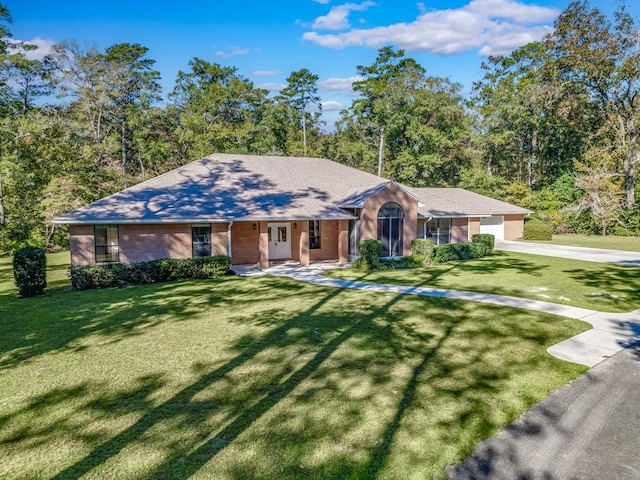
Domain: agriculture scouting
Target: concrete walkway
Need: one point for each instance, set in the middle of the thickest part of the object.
(583, 431)
(611, 332)
(601, 255)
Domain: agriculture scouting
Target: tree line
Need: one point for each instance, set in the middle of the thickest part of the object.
(552, 127)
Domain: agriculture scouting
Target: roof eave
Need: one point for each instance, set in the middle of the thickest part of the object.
(123, 221)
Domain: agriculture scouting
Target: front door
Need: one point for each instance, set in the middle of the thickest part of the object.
(279, 240)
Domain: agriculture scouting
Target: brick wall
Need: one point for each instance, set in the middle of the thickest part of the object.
(245, 243)
(328, 242)
(145, 242)
(219, 244)
(474, 226)
(460, 230)
(81, 245)
(513, 227)
(372, 206)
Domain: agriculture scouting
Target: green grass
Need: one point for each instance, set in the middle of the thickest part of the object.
(631, 244)
(603, 287)
(260, 378)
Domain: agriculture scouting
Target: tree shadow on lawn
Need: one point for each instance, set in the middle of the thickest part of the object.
(60, 320)
(340, 389)
(616, 283)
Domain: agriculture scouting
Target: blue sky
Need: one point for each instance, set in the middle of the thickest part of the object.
(266, 41)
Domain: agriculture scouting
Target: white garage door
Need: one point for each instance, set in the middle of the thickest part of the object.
(493, 226)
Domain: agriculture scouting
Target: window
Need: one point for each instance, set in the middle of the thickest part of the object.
(314, 234)
(354, 237)
(106, 243)
(390, 225)
(439, 230)
(201, 240)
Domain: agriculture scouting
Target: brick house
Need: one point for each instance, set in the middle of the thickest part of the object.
(261, 209)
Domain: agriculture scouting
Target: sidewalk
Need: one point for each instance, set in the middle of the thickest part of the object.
(611, 332)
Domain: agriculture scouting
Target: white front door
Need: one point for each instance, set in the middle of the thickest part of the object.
(279, 240)
(493, 226)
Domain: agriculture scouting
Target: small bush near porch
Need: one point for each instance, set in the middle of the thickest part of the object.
(259, 378)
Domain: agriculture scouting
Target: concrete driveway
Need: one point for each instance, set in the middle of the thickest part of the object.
(587, 430)
(577, 253)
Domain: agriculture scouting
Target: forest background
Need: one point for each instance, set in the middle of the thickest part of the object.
(552, 127)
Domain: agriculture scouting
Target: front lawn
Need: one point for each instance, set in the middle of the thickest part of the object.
(603, 287)
(260, 378)
(631, 244)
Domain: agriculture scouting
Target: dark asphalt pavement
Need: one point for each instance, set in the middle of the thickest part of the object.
(586, 430)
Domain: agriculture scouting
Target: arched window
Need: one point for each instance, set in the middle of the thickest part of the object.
(390, 223)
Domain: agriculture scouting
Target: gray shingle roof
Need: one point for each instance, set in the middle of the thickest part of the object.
(223, 187)
(458, 202)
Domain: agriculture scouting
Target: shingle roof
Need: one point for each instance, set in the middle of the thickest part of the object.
(458, 202)
(224, 187)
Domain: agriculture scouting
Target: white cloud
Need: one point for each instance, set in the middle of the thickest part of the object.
(332, 106)
(488, 26)
(339, 84)
(44, 47)
(234, 52)
(323, 2)
(265, 73)
(512, 10)
(338, 16)
(272, 86)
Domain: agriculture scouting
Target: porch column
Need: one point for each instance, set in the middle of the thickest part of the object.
(343, 241)
(263, 245)
(304, 243)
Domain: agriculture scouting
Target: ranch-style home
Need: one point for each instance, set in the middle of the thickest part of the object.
(264, 209)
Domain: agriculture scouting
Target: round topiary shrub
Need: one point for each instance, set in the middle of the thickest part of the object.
(486, 238)
(30, 270)
(422, 251)
(370, 251)
(535, 229)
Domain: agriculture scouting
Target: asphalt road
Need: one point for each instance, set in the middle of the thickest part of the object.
(586, 430)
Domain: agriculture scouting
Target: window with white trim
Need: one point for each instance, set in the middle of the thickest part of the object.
(201, 239)
(106, 243)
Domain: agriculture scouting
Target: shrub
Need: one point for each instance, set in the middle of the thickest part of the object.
(410, 261)
(118, 275)
(30, 270)
(535, 229)
(486, 238)
(370, 251)
(459, 251)
(422, 250)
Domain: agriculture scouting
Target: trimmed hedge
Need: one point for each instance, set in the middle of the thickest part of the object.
(422, 251)
(30, 270)
(535, 229)
(118, 275)
(486, 238)
(459, 251)
(370, 251)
